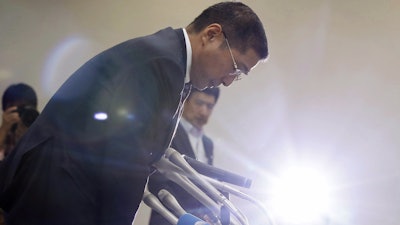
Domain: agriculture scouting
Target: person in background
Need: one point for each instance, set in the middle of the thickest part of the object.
(19, 103)
(191, 141)
(87, 157)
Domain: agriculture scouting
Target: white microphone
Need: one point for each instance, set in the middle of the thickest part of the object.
(195, 191)
(173, 173)
(177, 175)
(178, 159)
(226, 188)
(164, 165)
(170, 201)
(152, 201)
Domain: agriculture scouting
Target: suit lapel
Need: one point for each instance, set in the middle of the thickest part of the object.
(182, 143)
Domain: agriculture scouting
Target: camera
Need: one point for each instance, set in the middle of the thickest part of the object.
(28, 114)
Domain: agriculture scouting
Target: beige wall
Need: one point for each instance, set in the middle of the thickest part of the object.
(328, 96)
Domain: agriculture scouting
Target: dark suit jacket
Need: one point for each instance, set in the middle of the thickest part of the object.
(181, 143)
(71, 168)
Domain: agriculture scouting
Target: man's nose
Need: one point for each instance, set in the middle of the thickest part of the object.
(204, 110)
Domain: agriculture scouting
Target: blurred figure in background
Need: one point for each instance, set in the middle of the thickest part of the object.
(19, 105)
(189, 140)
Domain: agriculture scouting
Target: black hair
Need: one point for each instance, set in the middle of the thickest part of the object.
(19, 94)
(209, 91)
(242, 26)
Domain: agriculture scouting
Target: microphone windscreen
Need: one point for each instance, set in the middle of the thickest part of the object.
(189, 219)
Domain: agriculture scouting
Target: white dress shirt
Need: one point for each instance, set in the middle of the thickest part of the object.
(196, 140)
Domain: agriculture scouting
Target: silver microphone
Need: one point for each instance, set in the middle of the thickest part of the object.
(195, 191)
(178, 159)
(226, 188)
(170, 201)
(152, 201)
(176, 174)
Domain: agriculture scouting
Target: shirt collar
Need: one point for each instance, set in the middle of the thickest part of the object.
(188, 55)
(189, 128)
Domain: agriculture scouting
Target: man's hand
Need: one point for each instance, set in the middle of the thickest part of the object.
(10, 117)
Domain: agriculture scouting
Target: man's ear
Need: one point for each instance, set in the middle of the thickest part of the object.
(213, 31)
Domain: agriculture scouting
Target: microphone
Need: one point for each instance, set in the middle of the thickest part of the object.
(150, 200)
(163, 165)
(223, 187)
(189, 219)
(178, 159)
(170, 201)
(195, 191)
(217, 173)
(177, 175)
(173, 173)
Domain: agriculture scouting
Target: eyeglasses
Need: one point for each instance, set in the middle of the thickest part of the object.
(237, 73)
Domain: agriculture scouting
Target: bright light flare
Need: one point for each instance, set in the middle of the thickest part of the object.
(100, 116)
(301, 195)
